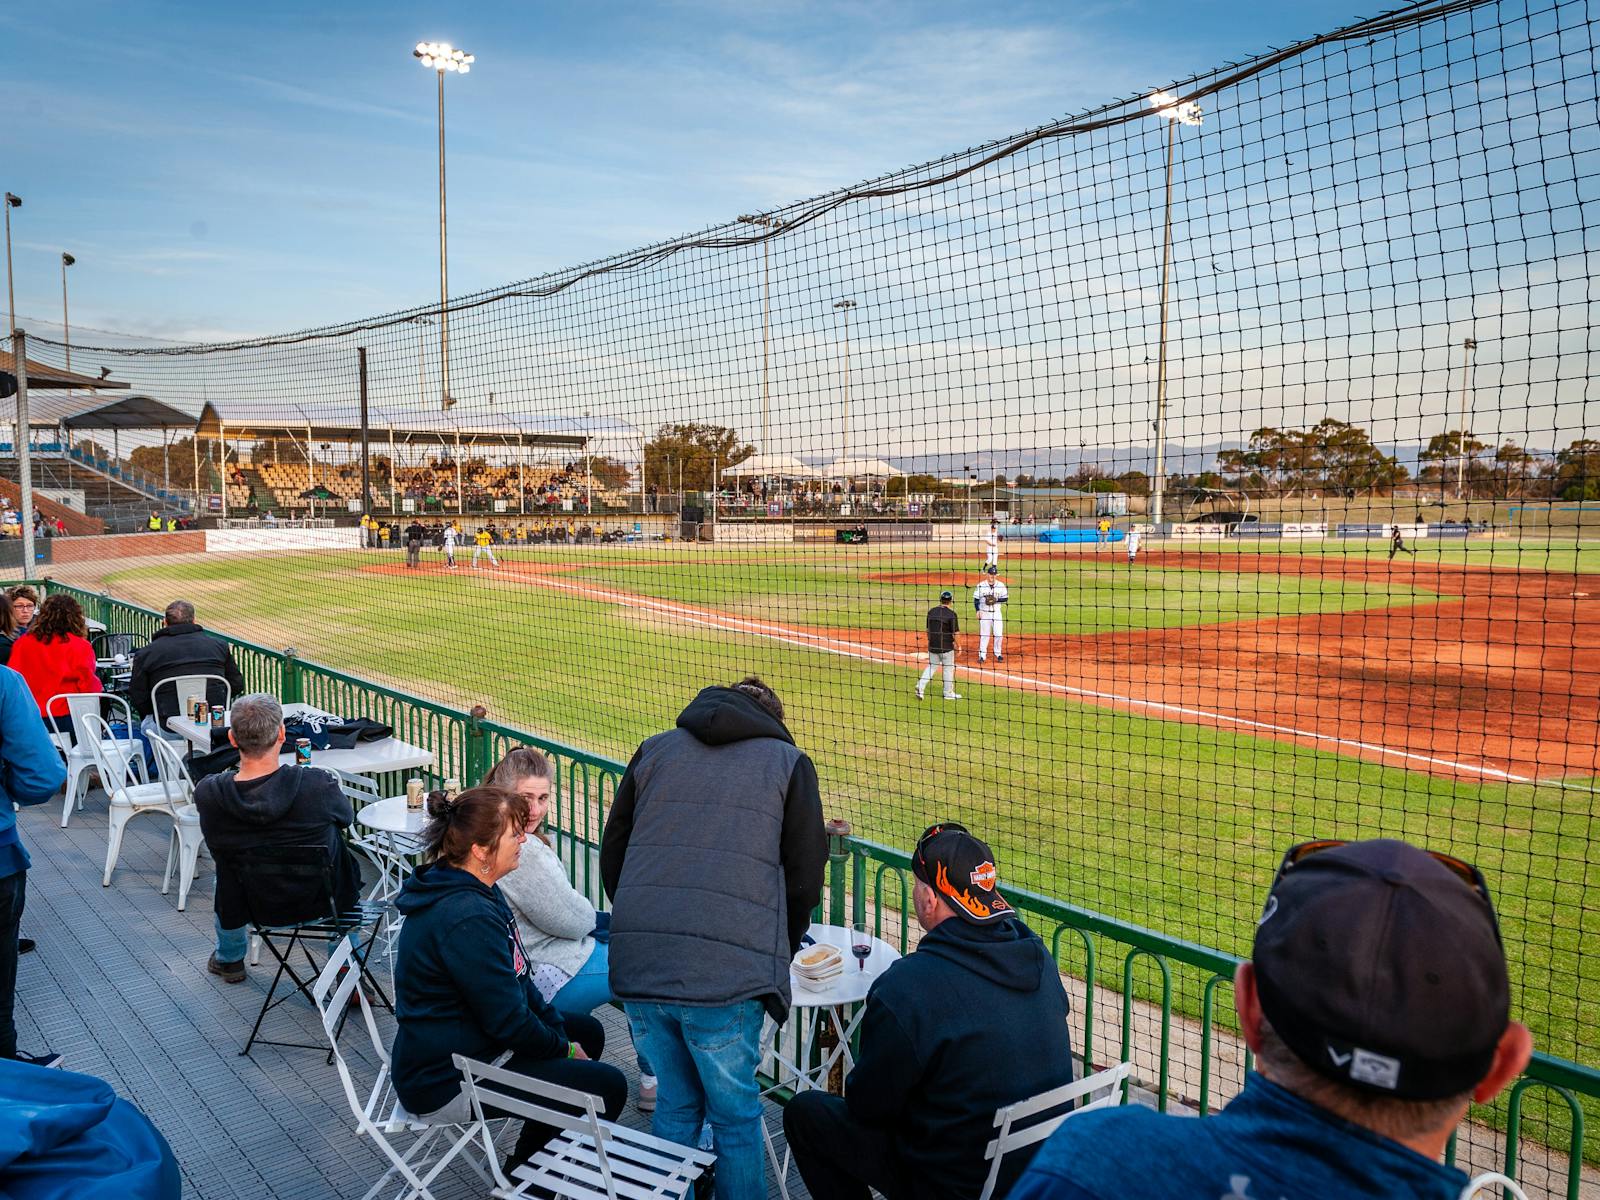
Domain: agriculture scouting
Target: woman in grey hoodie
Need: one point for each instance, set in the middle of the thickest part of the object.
(565, 938)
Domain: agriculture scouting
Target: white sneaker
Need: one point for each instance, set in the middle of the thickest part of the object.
(919, 694)
(952, 696)
(647, 1093)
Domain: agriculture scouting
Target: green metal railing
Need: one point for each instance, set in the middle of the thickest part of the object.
(1164, 988)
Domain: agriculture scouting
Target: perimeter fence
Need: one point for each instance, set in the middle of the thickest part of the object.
(1280, 388)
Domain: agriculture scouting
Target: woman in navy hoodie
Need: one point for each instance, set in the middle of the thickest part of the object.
(464, 985)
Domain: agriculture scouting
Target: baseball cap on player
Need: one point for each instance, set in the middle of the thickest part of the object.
(992, 569)
(947, 596)
(1380, 965)
(960, 868)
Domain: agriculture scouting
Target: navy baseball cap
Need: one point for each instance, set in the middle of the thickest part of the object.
(960, 868)
(947, 596)
(992, 569)
(1380, 965)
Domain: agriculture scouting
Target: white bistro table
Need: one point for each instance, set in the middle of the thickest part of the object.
(398, 831)
(364, 758)
(844, 991)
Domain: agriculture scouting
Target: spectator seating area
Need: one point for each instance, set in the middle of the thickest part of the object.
(432, 487)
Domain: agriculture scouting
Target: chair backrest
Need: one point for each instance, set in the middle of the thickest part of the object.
(332, 993)
(80, 705)
(1032, 1120)
(113, 757)
(214, 689)
(1507, 1185)
(510, 1093)
(282, 885)
(108, 645)
(174, 776)
(360, 789)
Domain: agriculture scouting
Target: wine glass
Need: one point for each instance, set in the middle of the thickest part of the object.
(861, 943)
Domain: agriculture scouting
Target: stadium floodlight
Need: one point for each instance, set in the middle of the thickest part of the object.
(772, 225)
(1175, 112)
(1467, 347)
(443, 58)
(843, 307)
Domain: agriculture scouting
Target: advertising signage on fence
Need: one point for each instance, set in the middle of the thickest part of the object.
(214, 502)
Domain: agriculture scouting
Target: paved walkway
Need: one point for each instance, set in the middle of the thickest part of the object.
(119, 986)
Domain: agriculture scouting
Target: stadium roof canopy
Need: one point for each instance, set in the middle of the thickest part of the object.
(859, 468)
(380, 428)
(126, 412)
(44, 378)
(776, 466)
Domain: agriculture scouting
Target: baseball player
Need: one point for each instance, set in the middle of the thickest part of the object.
(988, 600)
(483, 543)
(991, 546)
(942, 629)
(1134, 538)
(1396, 544)
(450, 536)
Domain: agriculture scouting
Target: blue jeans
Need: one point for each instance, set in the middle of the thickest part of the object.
(589, 989)
(231, 943)
(706, 1059)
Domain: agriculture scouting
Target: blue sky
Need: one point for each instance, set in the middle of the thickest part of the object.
(227, 169)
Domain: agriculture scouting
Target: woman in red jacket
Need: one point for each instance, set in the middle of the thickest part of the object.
(54, 656)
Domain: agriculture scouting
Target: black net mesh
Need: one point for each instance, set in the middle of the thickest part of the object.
(1356, 300)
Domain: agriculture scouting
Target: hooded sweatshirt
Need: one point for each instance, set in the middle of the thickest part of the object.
(293, 806)
(463, 985)
(713, 856)
(177, 650)
(974, 1019)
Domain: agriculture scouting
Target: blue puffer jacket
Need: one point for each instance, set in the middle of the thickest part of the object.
(463, 985)
(30, 769)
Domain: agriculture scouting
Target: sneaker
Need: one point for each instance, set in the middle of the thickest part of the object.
(48, 1059)
(919, 694)
(980, 660)
(647, 1093)
(26, 945)
(228, 972)
(999, 658)
(952, 696)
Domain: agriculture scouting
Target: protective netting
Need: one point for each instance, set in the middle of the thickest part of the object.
(1362, 621)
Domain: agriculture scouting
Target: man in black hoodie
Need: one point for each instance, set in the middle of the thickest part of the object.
(975, 1019)
(267, 804)
(180, 648)
(713, 855)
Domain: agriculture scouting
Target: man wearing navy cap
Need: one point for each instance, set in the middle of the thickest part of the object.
(1377, 1004)
(975, 1019)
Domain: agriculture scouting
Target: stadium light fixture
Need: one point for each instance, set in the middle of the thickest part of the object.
(66, 326)
(843, 307)
(772, 225)
(1175, 112)
(443, 59)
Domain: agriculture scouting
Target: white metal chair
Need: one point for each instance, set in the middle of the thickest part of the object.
(388, 853)
(379, 1113)
(186, 688)
(1508, 1186)
(1020, 1124)
(78, 756)
(170, 794)
(591, 1159)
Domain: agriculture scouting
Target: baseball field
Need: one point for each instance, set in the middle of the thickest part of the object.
(1154, 738)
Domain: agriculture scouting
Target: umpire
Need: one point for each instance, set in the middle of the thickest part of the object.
(942, 629)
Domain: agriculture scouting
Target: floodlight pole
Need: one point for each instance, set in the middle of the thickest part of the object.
(772, 224)
(588, 471)
(844, 307)
(19, 348)
(1467, 347)
(1185, 114)
(11, 201)
(441, 57)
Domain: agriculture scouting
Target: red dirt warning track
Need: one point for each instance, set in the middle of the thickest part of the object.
(1498, 678)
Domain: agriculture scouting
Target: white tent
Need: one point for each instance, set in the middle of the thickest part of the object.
(861, 468)
(770, 466)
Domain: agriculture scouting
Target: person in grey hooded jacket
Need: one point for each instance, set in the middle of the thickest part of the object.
(713, 856)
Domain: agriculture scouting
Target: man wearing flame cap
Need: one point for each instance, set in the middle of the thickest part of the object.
(976, 1018)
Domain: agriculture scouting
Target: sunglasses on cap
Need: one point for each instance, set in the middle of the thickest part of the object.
(1460, 868)
(929, 834)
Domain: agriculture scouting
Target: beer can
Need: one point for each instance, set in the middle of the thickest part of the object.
(216, 716)
(451, 787)
(197, 711)
(414, 794)
(302, 750)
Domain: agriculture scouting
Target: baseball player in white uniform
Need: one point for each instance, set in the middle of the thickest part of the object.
(989, 600)
(450, 546)
(1133, 539)
(991, 547)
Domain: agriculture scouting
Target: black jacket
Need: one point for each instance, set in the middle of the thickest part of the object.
(713, 855)
(463, 985)
(294, 806)
(183, 649)
(974, 1019)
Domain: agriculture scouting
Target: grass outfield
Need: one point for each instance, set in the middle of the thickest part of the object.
(1170, 825)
